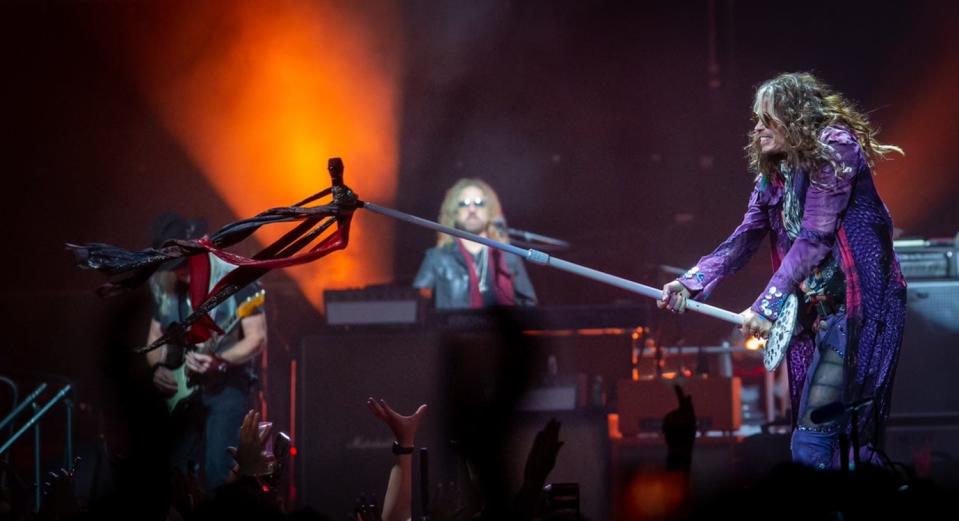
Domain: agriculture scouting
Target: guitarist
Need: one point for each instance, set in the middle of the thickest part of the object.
(209, 421)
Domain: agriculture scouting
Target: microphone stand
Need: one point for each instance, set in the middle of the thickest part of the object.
(854, 436)
(539, 257)
(844, 452)
(533, 238)
(424, 484)
(525, 238)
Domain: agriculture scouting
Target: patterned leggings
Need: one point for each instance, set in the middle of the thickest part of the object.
(817, 445)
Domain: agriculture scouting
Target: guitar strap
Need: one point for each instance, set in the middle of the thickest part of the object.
(223, 314)
(206, 271)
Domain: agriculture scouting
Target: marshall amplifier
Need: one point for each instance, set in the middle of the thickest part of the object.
(922, 259)
(925, 383)
(342, 449)
(373, 305)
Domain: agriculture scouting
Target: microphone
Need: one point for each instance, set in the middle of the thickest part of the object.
(335, 166)
(833, 410)
(529, 237)
(672, 270)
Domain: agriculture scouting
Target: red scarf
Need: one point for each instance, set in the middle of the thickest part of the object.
(501, 281)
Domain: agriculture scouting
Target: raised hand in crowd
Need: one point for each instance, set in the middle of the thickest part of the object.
(539, 463)
(59, 498)
(398, 503)
(679, 429)
(542, 455)
(252, 458)
(403, 427)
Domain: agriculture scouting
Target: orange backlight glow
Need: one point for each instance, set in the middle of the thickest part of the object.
(261, 94)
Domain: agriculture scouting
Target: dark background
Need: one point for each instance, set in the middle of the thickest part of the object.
(597, 122)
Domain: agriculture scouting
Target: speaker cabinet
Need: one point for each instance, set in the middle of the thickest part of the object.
(923, 428)
(342, 449)
(927, 378)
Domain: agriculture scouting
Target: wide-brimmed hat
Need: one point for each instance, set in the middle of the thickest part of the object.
(171, 226)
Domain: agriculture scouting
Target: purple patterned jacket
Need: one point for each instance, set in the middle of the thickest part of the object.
(843, 216)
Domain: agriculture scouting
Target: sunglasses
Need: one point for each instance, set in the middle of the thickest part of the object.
(466, 203)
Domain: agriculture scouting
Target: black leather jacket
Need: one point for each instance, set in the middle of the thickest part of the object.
(444, 271)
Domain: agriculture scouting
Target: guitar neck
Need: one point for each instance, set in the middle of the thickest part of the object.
(247, 308)
(210, 345)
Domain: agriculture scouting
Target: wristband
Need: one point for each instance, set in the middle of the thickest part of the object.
(400, 450)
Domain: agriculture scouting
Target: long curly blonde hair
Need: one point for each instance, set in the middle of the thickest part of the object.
(802, 105)
(450, 206)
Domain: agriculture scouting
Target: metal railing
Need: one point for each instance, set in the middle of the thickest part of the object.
(39, 411)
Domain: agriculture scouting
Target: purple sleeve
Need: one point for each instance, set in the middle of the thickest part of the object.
(733, 253)
(826, 200)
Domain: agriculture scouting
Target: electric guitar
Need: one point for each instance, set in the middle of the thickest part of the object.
(781, 334)
(187, 384)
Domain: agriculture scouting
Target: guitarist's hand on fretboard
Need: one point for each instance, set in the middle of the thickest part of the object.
(200, 363)
(163, 380)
